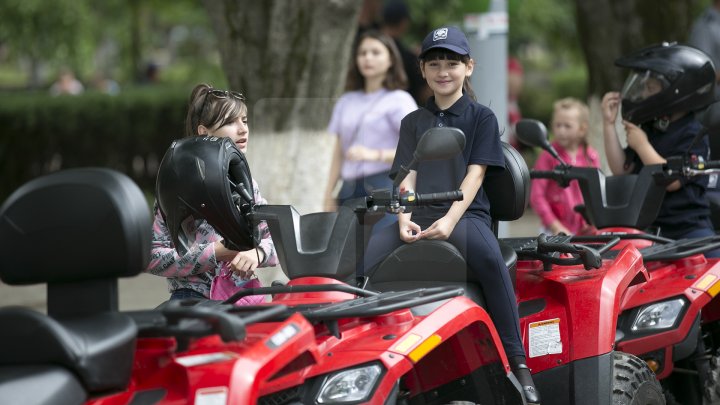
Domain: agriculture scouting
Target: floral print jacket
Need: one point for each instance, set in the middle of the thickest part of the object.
(198, 266)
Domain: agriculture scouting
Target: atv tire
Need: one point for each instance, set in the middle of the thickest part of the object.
(633, 382)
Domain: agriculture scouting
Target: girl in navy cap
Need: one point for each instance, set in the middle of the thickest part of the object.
(446, 66)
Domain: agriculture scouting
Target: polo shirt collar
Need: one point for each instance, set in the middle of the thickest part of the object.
(456, 109)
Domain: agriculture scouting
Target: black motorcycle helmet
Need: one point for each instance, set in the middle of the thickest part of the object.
(205, 177)
(665, 79)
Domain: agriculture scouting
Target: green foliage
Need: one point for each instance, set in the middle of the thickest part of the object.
(114, 37)
(548, 24)
(538, 96)
(128, 132)
(49, 31)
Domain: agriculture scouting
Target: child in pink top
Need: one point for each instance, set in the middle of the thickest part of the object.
(554, 204)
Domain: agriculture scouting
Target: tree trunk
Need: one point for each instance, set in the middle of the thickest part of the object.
(289, 58)
(609, 29)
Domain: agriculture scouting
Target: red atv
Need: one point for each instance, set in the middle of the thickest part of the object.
(647, 295)
(321, 340)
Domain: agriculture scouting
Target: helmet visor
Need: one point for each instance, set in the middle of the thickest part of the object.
(641, 85)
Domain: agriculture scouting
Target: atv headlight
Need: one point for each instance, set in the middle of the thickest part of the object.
(660, 315)
(350, 385)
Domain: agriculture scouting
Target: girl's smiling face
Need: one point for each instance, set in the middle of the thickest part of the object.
(446, 76)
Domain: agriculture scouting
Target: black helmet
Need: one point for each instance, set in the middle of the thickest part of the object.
(666, 78)
(205, 177)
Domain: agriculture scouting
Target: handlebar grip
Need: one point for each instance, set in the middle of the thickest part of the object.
(429, 198)
(712, 164)
(542, 174)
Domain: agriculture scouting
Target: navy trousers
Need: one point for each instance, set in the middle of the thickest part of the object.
(476, 242)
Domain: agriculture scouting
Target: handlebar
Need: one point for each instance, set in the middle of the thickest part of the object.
(432, 198)
(398, 202)
(675, 167)
(560, 174)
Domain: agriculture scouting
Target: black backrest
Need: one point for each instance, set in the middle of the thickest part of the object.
(322, 244)
(631, 200)
(508, 190)
(77, 230)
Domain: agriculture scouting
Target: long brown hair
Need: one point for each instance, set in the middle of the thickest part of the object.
(444, 54)
(209, 111)
(395, 78)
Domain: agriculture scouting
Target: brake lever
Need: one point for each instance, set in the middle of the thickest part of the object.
(590, 257)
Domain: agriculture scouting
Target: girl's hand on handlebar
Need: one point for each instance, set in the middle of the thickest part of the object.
(439, 230)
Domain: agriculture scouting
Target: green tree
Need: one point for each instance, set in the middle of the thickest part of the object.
(38, 31)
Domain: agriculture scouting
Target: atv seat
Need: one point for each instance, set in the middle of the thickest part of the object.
(40, 385)
(78, 231)
(416, 265)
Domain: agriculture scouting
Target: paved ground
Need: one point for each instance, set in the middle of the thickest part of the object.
(147, 291)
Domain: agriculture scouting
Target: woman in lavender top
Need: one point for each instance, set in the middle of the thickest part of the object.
(366, 119)
(219, 113)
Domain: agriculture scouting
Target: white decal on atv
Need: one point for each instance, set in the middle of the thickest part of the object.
(211, 396)
(283, 336)
(545, 338)
(198, 359)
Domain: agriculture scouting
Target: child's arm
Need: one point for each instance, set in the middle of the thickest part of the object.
(409, 231)
(613, 150)
(638, 141)
(165, 260)
(443, 227)
(538, 198)
(330, 204)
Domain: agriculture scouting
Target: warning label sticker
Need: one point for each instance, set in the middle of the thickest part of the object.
(545, 338)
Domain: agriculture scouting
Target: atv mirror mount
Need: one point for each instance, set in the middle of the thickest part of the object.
(534, 133)
(435, 144)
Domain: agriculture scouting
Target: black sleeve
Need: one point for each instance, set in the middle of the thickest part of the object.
(406, 145)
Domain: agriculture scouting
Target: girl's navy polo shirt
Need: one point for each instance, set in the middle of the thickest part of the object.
(482, 146)
(686, 209)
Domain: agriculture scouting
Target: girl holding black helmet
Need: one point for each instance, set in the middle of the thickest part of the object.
(667, 83)
(192, 266)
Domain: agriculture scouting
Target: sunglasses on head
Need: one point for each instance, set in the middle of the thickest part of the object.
(225, 94)
(221, 94)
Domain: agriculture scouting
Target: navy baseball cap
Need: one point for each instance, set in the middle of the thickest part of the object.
(450, 38)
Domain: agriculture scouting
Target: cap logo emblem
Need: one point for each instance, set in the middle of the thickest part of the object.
(440, 33)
